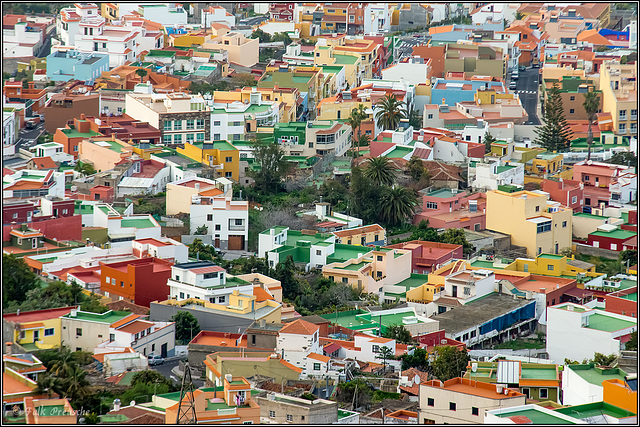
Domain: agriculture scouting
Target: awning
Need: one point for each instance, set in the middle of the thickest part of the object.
(331, 348)
(578, 293)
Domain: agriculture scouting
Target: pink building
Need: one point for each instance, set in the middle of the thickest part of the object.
(568, 192)
(426, 256)
(451, 208)
(597, 178)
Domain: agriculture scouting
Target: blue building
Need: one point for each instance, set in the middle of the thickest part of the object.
(71, 64)
(453, 91)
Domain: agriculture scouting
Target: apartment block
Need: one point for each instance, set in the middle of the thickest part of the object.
(620, 96)
(280, 408)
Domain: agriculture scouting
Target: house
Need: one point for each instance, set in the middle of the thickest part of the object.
(180, 117)
(583, 383)
(622, 302)
(305, 79)
(454, 87)
(415, 71)
(535, 222)
(568, 192)
(266, 363)
(140, 281)
(536, 381)
(427, 256)
(328, 219)
(618, 87)
(95, 327)
(451, 208)
(613, 237)
(142, 336)
(14, 92)
(599, 179)
(229, 118)
(277, 407)
(134, 132)
(366, 235)
(525, 413)
(67, 105)
(165, 14)
(70, 136)
(299, 344)
(49, 411)
(216, 14)
(181, 192)
(312, 138)
(570, 327)
(65, 65)
(205, 281)
(604, 412)
(37, 329)
(242, 51)
(220, 155)
(490, 175)
(439, 402)
(372, 323)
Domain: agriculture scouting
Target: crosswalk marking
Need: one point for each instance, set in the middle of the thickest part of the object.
(527, 91)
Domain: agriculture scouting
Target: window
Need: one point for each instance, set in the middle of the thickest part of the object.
(316, 366)
(543, 227)
(572, 98)
(614, 247)
(121, 284)
(200, 123)
(272, 414)
(633, 127)
(544, 393)
(375, 348)
(216, 122)
(318, 252)
(345, 280)
(465, 337)
(622, 128)
(181, 295)
(310, 144)
(200, 137)
(177, 138)
(539, 252)
(571, 110)
(222, 299)
(564, 224)
(48, 332)
(289, 418)
(432, 205)
(167, 125)
(574, 199)
(113, 281)
(166, 139)
(190, 124)
(177, 125)
(474, 411)
(537, 208)
(452, 406)
(15, 215)
(430, 401)
(190, 138)
(209, 217)
(379, 257)
(473, 334)
(210, 275)
(430, 116)
(550, 267)
(217, 227)
(228, 159)
(623, 114)
(78, 332)
(216, 136)
(467, 290)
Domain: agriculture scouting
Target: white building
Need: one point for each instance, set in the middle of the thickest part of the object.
(575, 331)
(10, 128)
(33, 183)
(53, 150)
(489, 176)
(494, 12)
(120, 43)
(21, 41)
(500, 131)
(503, 415)
(144, 337)
(228, 119)
(217, 14)
(273, 27)
(624, 190)
(413, 72)
(299, 344)
(582, 384)
(149, 38)
(167, 14)
(324, 212)
(226, 219)
(440, 11)
(377, 18)
(69, 19)
(205, 281)
(469, 285)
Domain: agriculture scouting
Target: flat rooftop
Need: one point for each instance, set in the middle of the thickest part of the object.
(595, 375)
(478, 312)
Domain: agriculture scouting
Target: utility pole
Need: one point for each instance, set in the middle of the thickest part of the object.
(187, 411)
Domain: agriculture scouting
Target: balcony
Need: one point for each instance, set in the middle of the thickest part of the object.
(236, 228)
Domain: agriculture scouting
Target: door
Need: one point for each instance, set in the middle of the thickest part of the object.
(556, 249)
(216, 242)
(236, 243)
(36, 336)
(34, 243)
(454, 291)
(163, 350)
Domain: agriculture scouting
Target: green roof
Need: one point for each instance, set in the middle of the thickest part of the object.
(443, 193)
(51, 410)
(606, 323)
(72, 133)
(536, 416)
(631, 297)
(588, 215)
(478, 263)
(399, 152)
(108, 317)
(345, 59)
(550, 256)
(355, 267)
(344, 252)
(137, 223)
(277, 229)
(615, 234)
(595, 375)
(595, 409)
(545, 372)
(413, 281)
(505, 168)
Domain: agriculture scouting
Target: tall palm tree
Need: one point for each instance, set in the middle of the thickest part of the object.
(76, 383)
(590, 104)
(64, 364)
(397, 204)
(380, 171)
(46, 384)
(390, 112)
(355, 120)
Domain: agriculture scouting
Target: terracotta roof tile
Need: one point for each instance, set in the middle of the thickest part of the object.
(300, 327)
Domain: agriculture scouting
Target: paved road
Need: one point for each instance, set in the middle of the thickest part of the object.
(45, 49)
(406, 44)
(527, 89)
(28, 137)
(165, 370)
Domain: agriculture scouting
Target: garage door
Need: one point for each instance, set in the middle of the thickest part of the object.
(236, 243)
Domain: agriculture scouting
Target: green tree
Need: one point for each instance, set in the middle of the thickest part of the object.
(149, 376)
(488, 140)
(356, 392)
(17, 279)
(273, 167)
(240, 80)
(380, 171)
(418, 359)
(385, 354)
(85, 168)
(47, 384)
(333, 191)
(591, 104)
(519, 16)
(285, 273)
(630, 255)
(261, 35)
(364, 196)
(632, 344)
(449, 362)
(415, 120)
(399, 333)
(456, 236)
(363, 141)
(390, 112)
(76, 384)
(625, 158)
(203, 252)
(282, 37)
(141, 72)
(555, 134)
(187, 326)
(415, 168)
(355, 120)
(605, 360)
(202, 230)
(397, 204)
(426, 233)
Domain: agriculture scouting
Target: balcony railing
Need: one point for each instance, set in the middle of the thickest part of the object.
(236, 228)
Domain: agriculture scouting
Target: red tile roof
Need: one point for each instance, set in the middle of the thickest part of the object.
(300, 327)
(34, 316)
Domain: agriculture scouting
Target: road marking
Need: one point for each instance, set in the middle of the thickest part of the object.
(173, 378)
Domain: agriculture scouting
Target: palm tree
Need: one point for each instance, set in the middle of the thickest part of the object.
(76, 383)
(397, 204)
(380, 171)
(390, 112)
(46, 384)
(590, 104)
(141, 72)
(64, 364)
(355, 121)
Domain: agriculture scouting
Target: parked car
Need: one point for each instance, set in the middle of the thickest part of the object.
(512, 85)
(522, 68)
(155, 359)
(514, 75)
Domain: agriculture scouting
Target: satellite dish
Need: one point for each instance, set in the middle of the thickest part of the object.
(416, 379)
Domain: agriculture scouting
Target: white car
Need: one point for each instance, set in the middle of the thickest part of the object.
(155, 360)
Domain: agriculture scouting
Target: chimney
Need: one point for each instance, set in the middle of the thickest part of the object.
(8, 345)
(228, 377)
(74, 312)
(116, 405)
(263, 323)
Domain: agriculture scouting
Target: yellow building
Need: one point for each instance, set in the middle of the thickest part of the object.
(221, 155)
(532, 221)
(288, 98)
(620, 96)
(39, 329)
(553, 265)
(424, 293)
(260, 363)
(366, 235)
(242, 51)
(110, 11)
(197, 38)
(545, 163)
(327, 52)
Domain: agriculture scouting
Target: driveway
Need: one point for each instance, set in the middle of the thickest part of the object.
(527, 89)
(168, 365)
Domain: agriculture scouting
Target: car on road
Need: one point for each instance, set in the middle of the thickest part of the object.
(512, 85)
(514, 75)
(155, 359)
(522, 68)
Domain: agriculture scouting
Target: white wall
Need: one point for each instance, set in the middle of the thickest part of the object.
(578, 391)
(413, 73)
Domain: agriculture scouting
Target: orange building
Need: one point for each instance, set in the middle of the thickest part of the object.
(14, 92)
(139, 281)
(618, 393)
(231, 405)
(71, 136)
